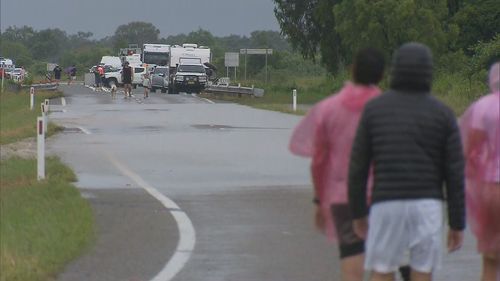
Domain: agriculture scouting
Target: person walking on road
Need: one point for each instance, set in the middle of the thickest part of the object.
(480, 127)
(127, 75)
(146, 83)
(413, 142)
(72, 74)
(326, 134)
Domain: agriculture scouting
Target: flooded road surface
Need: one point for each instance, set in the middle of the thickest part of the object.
(187, 189)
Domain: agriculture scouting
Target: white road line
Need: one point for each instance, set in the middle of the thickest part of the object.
(187, 234)
(63, 101)
(205, 99)
(87, 132)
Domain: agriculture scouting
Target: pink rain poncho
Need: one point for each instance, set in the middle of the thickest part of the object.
(326, 135)
(480, 128)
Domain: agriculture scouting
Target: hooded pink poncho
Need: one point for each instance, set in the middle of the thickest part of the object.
(326, 135)
(480, 128)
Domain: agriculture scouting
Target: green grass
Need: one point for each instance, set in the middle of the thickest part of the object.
(17, 121)
(43, 224)
(454, 89)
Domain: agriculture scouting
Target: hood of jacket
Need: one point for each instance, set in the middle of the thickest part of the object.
(412, 68)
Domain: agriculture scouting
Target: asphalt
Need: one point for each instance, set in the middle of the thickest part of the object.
(133, 230)
(227, 168)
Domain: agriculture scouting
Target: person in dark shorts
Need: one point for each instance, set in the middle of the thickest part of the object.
(57, 73)
(127, 75)
(326, 135)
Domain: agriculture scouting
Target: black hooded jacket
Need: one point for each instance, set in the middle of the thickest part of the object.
(413, 141)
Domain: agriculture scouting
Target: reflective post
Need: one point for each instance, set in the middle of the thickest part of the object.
(40, 137)
(32, 97)
(294, 99)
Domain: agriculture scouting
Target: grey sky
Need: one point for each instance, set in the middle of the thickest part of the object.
(102, 17)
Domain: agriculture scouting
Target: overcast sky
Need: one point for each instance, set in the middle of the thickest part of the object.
(102, 17)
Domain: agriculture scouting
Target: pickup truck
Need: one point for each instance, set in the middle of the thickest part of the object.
(114, 75)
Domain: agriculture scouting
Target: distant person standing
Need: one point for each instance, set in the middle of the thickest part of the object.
(127, 75)
(100, 74)
(57, 73)
(480, 127)
(72, 74)
(146, 83)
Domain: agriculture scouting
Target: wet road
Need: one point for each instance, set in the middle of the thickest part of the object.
(228, 170)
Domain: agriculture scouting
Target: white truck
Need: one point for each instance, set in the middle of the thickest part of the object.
(155, 54)
(187, 69)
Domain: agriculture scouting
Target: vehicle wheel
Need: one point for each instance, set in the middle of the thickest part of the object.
(163, 90)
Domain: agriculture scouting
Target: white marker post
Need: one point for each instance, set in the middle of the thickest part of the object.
(32, 97)
(44, 116)
(47, 105)
(294, 102)
(40, 137)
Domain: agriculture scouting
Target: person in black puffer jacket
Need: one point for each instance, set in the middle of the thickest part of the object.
(413, 143)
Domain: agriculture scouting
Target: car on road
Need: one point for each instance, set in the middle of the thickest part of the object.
(190, 77)
(159, 79)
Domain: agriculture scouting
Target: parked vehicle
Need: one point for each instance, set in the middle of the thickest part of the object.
(187, 69)
(160, 79)
(189, 77)
(138, 73)
(155, 55)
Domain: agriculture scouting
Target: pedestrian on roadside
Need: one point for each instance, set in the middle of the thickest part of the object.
(127, 75)
(72, 74)
(101, 74)
(97, 78)
(57, 73)
(480, 126)
(413, 142)
(326, 134)
(146, 83)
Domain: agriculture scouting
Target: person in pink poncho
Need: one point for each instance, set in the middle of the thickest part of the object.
(480, 128)
(326, 135)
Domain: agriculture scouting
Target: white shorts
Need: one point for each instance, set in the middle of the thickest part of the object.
(405, 228)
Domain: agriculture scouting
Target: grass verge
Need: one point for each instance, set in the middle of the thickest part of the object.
(453, 89)
(42, 224)
(17, 121)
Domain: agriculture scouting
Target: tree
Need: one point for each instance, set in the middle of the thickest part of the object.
(309, 25)
(135, 33)
(478, 20)
(388, 24)
(48, 44)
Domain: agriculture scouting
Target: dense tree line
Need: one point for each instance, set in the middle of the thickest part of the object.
(33, 49)
(333, 29)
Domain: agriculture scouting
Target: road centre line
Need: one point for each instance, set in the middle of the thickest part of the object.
(187, 234)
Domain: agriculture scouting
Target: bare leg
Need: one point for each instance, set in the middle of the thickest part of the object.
(420, 276)
(376, 276)
(491, 268)
(352, 268)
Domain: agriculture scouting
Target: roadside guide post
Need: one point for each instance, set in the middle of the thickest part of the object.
(3, 77)
(294, 99)
(32, 97)
(44, 115)
(47, 105)
(40, 137)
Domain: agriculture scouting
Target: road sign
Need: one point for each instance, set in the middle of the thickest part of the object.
(232, 59)
(256, 51)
